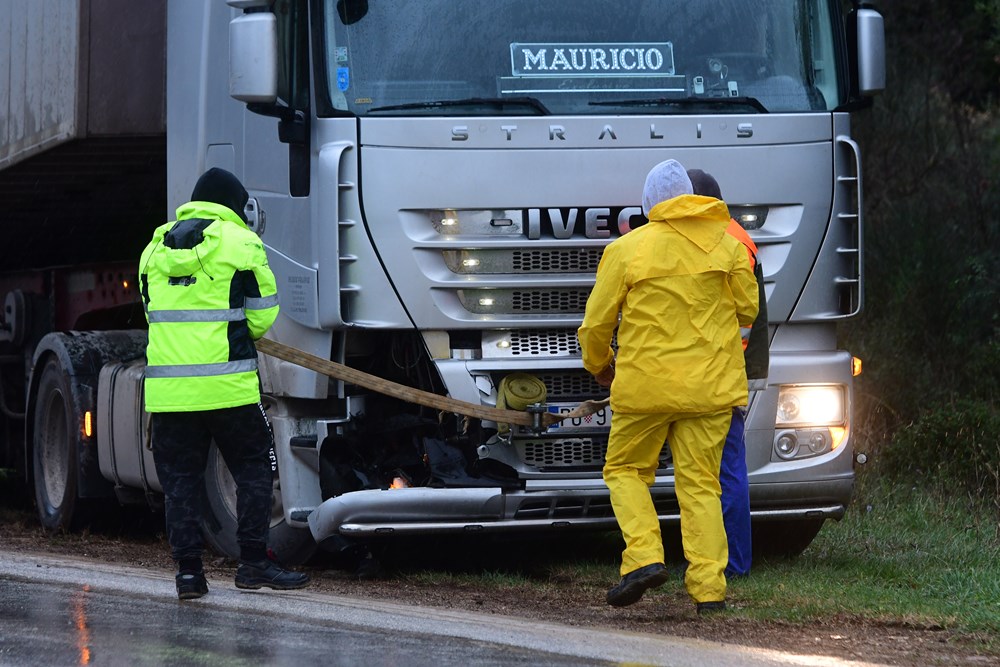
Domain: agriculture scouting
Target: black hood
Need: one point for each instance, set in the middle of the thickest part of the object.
(221, 187)
(704, 183)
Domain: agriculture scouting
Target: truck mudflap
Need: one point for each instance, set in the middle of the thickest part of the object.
(377, 513)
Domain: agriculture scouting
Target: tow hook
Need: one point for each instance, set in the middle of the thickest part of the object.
(536, 410)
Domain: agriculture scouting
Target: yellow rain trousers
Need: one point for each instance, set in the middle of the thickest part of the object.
(682, 288)
(629, 470)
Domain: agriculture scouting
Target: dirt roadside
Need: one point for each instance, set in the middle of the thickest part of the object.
(548, 595)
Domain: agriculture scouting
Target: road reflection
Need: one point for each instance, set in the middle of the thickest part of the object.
(60, 610)
(59, 624)
(80, 618)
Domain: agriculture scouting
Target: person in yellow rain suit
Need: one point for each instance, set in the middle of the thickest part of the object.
(682, 287)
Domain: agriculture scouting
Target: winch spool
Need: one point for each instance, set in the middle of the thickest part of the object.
(518, 391)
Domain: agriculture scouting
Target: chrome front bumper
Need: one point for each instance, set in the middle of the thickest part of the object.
(426, 511)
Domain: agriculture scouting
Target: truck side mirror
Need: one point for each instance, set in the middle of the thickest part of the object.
(870, 45)
(253, 58)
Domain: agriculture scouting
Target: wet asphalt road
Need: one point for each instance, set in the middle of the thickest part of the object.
(61, 611)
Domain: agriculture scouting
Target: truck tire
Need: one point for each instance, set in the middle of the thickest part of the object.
(291, 545)
(54, 452)
(783, 539)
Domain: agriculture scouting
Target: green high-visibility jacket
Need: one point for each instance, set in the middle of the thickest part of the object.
(208, 293)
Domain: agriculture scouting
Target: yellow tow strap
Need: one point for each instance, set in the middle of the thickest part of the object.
(519, 393)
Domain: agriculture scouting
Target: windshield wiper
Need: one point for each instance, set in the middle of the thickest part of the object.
(717, 102)
(491, 102)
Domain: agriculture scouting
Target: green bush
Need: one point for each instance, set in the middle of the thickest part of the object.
(951, 448)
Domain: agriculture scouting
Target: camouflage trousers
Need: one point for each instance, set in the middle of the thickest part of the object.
(181, 445)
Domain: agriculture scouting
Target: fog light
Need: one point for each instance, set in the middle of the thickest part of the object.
(786, 445)
(817, 443)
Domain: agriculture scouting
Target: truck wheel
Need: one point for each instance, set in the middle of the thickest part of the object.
(54, 454)
(292, 546)
(783, 539)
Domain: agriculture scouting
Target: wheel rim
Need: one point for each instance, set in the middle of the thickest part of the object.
(52, 449)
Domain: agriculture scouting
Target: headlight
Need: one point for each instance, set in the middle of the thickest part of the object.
(821, 405)
(810, 420)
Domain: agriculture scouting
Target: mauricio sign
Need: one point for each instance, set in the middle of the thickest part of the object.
(610, 59)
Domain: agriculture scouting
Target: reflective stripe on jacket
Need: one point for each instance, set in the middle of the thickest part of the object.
(683, 288)
(208, 294)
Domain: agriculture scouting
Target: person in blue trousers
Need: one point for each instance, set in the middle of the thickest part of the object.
(733, 475)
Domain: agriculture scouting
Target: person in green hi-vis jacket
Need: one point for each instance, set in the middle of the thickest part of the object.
(208, 294)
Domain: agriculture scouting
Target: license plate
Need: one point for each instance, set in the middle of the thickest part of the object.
(599, 420)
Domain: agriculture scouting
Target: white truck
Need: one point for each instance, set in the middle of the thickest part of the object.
(434, 183)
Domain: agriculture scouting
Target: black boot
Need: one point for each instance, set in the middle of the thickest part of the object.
(706, 608)
(267, 573)
(191, 585)
(630, 589)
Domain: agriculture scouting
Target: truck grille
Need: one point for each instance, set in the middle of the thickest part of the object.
(583, 508)
(545, 343)
(583, 452)
(549, 301)
(509, 343)
(557, 261)
(565, 386)
(563, 453)
(493, 262)
(524, 302)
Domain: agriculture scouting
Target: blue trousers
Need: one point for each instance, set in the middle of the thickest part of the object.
(736, 497)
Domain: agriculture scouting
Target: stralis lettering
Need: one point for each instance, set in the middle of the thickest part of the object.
(529, 60)
(606, 133)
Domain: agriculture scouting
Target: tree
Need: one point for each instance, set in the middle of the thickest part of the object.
(930, 333)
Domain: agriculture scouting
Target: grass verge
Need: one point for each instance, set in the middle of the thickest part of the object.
(901, 557)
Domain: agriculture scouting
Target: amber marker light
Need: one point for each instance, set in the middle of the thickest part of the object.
(88, 423)
(855, 366)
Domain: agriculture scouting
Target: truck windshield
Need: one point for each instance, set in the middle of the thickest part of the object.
(539, 57)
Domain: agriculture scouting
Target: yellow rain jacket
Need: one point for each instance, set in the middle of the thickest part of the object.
(683, 287)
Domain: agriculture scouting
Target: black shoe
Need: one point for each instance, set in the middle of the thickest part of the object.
(711, 607)
(630, 589)
(191, 585)
(270, 574)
